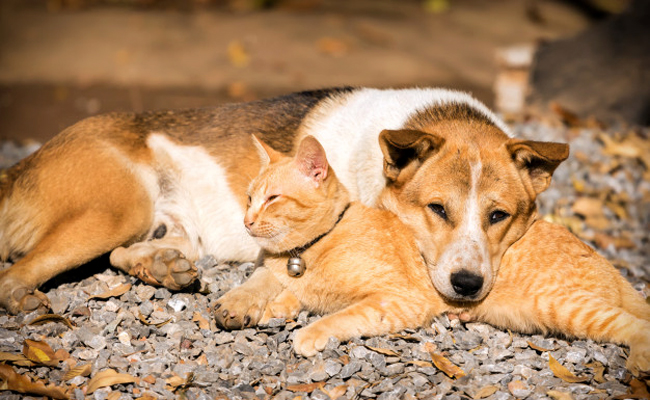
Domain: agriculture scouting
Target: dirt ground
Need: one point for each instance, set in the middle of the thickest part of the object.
(58, 66)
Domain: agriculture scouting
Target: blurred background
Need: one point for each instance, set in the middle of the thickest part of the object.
(63, 60)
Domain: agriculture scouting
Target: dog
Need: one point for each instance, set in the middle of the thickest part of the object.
(158, 190)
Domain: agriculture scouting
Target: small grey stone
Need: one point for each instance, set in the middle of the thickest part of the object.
(349, 369)
(177, 304)
(576, 355)
(332, 367)
(97, 342)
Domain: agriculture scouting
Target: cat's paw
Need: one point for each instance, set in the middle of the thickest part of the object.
(238, 309)
(639, 360)
(309, 341)
(287, 307)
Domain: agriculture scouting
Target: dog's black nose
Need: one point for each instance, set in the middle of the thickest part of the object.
(466, 283)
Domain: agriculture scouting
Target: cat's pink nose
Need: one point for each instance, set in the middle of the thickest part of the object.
(249, 222)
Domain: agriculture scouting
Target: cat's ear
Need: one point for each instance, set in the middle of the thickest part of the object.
(311, 159)
(266, 153)
(537, 160)
(401, 147)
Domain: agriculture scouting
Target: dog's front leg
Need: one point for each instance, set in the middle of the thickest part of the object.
(167, 262)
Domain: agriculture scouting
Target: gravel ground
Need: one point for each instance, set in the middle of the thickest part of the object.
(169, 343)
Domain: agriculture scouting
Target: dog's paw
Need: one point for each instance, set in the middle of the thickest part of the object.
(238, 309)
(310, 340)
(168, 268)
(21, 299)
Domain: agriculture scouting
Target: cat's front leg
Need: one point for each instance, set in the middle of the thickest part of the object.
(243, 306)
(372, 316)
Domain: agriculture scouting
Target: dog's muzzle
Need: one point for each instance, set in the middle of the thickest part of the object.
(466, 283)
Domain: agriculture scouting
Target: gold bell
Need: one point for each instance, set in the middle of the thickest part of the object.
(296, 267)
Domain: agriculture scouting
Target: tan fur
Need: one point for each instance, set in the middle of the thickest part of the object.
(467, 168)
(367, 275)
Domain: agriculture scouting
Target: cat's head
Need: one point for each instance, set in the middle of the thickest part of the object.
(468, 192)
(293, 199)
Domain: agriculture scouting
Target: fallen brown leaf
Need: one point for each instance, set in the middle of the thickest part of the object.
(144, 320)
(538, 348)
(332, 47)
(386, 352)
(557, 395)
(420, 363)
(115, 292)
(336, 392)
(108, 377)
(11, 380)
(16, 359)
(485, 391)
(306, 387)
(443, 364)
(113, 396)
(40, 353)
(599, 371)
(80, 370)
(562, 372)
(44, 319)
(237, 54)
(199, 319)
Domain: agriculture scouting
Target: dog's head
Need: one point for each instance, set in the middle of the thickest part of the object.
(468, 192)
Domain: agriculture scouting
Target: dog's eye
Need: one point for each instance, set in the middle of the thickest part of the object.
(438, 209)
(498, 216)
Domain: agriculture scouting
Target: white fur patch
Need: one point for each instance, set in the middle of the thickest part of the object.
(197, 202)
(348, 127)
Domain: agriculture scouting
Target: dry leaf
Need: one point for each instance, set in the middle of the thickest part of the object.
(148, 396)
(150, 379)
(108, 377)
(536, 347)
(113, 396)
(386, 352)
(198, 318)
(143, 319)
(599, 371)
(40, 353)
(11, 380)
(420, 363)
(44, 319)
(173, 382)
(16, 359)
(332, 47)
(443, 363)
(306, 387)
(561, 372)
(115, 292)
(237, 54)
(485, 391)
(80, 370)
(408, 338)
(336, 392)
(557, 395)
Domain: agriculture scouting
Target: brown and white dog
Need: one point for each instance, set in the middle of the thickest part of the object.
(161, 189)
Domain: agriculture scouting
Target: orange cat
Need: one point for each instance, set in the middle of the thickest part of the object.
(361, 266)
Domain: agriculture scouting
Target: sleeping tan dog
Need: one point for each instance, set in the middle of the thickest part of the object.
(160, 190)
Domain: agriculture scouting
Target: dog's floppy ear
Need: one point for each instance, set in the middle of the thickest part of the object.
(537, 159)
(401, 147)
(265, 152)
